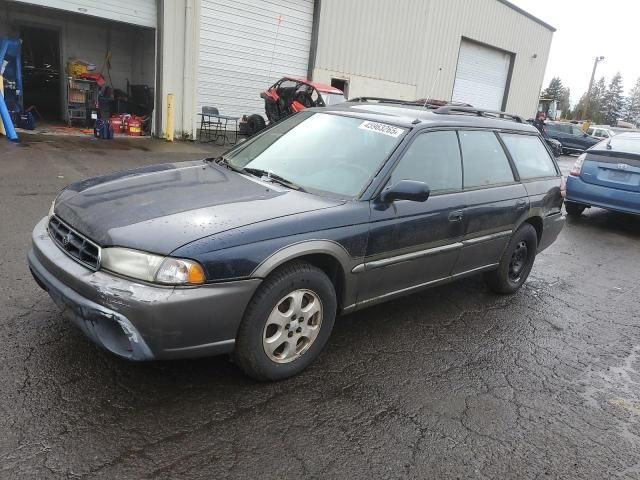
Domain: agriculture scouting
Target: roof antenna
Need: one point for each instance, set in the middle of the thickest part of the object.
(273, 51)
(426, 100)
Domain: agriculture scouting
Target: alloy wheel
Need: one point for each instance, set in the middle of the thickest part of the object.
(292, 326)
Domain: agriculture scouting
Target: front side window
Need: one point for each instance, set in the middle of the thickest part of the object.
(432, 158)
(484, 160)
(321, 152)
(530, 156)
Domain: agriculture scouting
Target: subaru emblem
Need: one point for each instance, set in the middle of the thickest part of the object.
(622, 166)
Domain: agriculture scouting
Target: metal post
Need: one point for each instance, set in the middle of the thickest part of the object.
(593, 75)
(170, 117)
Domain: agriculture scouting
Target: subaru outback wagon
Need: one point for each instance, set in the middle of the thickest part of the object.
(332, 210)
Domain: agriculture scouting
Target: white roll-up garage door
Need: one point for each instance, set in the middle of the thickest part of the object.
(138, 12)
(240, 55)
(481, 76)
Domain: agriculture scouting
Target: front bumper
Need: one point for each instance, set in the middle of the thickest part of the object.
(579, 191)
(135, 320)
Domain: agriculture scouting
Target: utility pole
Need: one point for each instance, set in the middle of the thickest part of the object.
(593, 75)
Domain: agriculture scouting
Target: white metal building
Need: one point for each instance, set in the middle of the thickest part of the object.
(491, 53)
(224, 53)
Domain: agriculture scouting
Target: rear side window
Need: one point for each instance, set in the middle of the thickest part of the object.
(432, 158)
(530, 156)
(485, 162)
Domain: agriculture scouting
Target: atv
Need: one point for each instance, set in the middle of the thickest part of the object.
(290, 95)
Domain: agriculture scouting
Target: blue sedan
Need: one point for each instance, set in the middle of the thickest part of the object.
(607, 176)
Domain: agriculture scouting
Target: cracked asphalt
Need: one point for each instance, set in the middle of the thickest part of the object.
(454, 382)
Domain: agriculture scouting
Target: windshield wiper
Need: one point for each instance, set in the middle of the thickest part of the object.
(258, 172)
(221, 160)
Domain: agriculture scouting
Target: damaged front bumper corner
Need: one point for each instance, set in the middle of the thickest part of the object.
(107, 328)
(135, 320)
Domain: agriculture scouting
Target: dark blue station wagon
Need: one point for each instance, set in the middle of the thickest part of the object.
(332, 210)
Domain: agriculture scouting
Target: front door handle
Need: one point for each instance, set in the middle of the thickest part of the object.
(521, 204)
(455, 216)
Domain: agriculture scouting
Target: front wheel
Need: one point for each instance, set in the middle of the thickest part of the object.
(287, 323)
(516, 262)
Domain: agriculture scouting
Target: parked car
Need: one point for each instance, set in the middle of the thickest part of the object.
(600, 131)
(571, 136)
(554, 145)
(607, 176)
(329, 211)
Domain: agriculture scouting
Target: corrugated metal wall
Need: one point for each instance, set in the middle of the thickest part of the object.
(138, 12)
(246, 45)
(406, 41)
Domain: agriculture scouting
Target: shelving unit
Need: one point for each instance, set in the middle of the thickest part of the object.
(82, 99)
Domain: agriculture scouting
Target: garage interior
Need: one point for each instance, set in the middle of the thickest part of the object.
(78, 67)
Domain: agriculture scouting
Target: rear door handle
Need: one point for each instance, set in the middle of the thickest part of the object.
(521, 204)
(455, 216)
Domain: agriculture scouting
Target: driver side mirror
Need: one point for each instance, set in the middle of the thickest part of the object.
(405, 190)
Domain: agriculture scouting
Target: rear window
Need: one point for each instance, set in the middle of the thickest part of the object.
(530, 156)
(621, 143)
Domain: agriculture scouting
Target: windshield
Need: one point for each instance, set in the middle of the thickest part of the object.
(332, 98)
(322, 152)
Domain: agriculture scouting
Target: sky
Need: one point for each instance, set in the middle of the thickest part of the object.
(586, 29)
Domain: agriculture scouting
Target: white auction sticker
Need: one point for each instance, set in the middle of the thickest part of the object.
(381, 128)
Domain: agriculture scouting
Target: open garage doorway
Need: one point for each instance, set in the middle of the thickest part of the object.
(41, 75)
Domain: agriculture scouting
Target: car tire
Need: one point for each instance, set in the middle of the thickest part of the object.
(516, 262)
(574, 209)
(255, 123)
(263, 349)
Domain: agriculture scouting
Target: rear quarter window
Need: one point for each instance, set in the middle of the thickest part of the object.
(530, 156)
(484, 160)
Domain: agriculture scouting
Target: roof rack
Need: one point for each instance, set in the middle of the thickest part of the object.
(384, 100)
(449, 109)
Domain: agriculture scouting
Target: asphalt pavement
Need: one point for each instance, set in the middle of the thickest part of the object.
(454, 382)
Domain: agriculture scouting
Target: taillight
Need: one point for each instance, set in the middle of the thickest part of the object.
(577, 167)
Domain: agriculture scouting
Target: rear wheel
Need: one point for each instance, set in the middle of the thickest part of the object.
(574, 209)
(516, 262)
(287, 323)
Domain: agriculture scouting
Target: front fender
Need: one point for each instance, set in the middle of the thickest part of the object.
(315, 247)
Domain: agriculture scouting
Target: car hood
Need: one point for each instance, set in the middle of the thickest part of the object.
(162, 207)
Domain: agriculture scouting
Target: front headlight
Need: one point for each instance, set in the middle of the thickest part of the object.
(152, 268)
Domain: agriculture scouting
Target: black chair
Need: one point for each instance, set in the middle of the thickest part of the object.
(211, 121)
(210, 124)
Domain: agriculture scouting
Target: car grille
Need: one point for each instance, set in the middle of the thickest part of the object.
(74, 244)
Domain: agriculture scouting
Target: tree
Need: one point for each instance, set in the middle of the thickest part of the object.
(554, 90)
(564, 102)
(594, 111)
(632, 111)
(613, 101)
